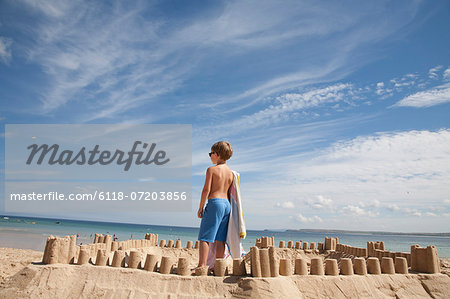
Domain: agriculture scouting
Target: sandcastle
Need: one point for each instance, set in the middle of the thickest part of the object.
(105, 252)
(329, 258)
(373, 259)
(65, 251)
(265, 242)
(424, 259)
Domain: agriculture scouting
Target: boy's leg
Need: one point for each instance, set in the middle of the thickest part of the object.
(203, 253)
(220, 249)
(222, 230)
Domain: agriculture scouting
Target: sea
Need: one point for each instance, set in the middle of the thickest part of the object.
(32, 233)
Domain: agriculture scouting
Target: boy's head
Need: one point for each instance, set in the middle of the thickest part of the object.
(223, 149)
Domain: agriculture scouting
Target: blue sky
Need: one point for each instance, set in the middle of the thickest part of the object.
(338, 111)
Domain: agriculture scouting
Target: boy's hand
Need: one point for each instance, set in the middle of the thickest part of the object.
(200, 213)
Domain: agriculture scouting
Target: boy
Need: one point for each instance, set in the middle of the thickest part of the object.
(214, 224)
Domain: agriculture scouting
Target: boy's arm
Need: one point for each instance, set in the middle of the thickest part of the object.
(205, 192)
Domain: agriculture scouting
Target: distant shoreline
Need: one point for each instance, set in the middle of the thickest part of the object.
(330, 231)
(337, 231)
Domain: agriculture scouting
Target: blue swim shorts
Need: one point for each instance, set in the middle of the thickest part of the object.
(214, 225)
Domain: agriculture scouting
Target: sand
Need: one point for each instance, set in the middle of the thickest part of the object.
(14, 260)
(24, 276)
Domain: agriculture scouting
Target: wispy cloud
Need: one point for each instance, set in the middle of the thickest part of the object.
(289, 105)
(447, 74)
(412, 212)
(304, 219)
(5, 49)
(320, 202)
(331, 68)
(354, 210)
(393, 207)
(433, 72)
(115, 58)
(272, 143)
(380, 88)
(102, 55)
(255, 73)
(428, 98)
(49, 8)
(406, 81)
(285, 205)
(398, 172)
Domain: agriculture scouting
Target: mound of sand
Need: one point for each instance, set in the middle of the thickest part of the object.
(13, 260)
(72, 281)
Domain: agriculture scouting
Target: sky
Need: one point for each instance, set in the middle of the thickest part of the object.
(337, 111)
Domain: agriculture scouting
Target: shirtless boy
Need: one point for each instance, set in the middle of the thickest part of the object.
(214, 224)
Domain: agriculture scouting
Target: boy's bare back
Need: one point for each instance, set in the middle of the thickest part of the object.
(221, 180)
(219, 177)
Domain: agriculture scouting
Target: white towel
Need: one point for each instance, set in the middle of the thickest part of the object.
(236, 224)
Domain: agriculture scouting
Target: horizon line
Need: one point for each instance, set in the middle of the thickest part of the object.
(270, 230)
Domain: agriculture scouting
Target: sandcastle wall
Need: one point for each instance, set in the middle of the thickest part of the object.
(425, 259)
(263, 258)
(65, 251)
(420, 260)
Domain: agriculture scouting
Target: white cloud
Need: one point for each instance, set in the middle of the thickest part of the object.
(304, 219)
(406, 81)
(353, 210)
(366, 176)
(411, 82)
(385, 155)
(313, 98)
(412, 212)
(357, 211)
(430, 214)
(331, 67)
(383, 91)
(5, 49)
(288, 105)
(447, 74)
(428, 98)
(393, 207)
(380, 88)
(112, 58)
(286, 205)
(375, 203)
(433, 72)
(434, 211)
(375, 173)
(107, 57)
(50, 8)
(320, 202)
(392, 170)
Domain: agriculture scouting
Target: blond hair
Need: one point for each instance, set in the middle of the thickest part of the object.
(223, 149)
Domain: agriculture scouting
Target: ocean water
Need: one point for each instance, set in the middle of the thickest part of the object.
(32, 233)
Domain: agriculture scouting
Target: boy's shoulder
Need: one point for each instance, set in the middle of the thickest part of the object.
(217, 168)
(212, 168)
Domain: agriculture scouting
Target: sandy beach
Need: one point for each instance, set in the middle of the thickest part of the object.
(23, 275)
(224, 149)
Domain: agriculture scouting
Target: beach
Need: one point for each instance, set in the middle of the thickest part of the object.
(306, 141)
(28, 273)
(32, 232)
(24, 276)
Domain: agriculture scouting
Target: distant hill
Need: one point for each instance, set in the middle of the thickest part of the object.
(336, 231)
